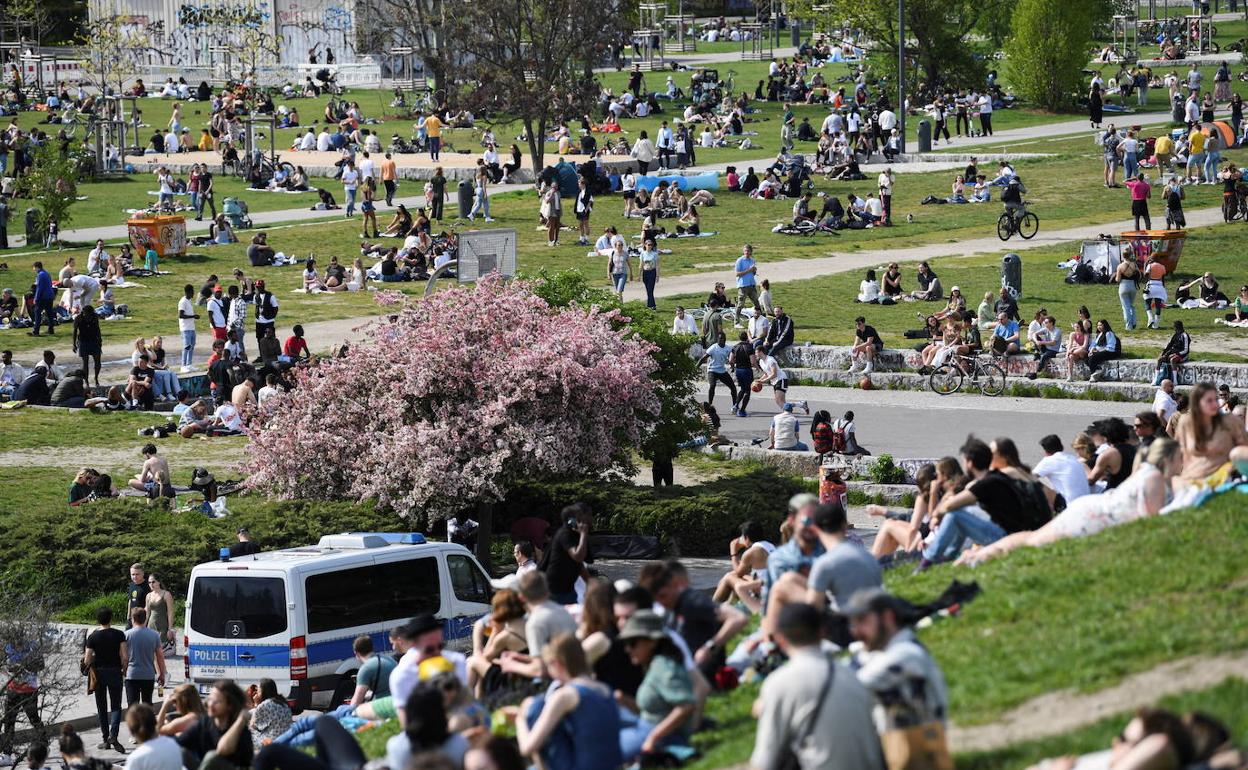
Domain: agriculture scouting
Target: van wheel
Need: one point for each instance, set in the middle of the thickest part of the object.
(344, 690)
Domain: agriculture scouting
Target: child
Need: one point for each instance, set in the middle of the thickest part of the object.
(682, 151)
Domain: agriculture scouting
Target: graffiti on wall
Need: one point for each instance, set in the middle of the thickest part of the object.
(206, 15)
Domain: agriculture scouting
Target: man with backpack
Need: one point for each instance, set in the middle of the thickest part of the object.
(845, 436)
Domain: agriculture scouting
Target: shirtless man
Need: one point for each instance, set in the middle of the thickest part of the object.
(749, 554)
(244, 394)
(155, 474)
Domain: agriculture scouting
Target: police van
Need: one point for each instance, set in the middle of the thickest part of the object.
(292, 615)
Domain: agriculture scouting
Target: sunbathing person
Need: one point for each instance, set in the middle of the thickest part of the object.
(1143, 494)
(400, 225)
(749, 554)
(1211, 440)
(905, 532)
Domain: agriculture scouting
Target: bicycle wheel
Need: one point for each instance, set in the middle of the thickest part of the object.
(288, 167)
(991, 380)
(1229, 209)
(945, 380)
(1029, 225)
(1005, 226)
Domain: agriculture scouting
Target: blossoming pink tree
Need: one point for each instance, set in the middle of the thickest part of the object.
(453, 398)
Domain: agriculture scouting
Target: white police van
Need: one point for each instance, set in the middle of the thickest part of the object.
(292, 615)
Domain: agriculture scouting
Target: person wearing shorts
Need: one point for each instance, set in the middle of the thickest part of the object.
(747, 284)
(773, 374)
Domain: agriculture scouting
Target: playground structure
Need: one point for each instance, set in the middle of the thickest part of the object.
(678, 41)
(648, 37)
(756, 42)
(1126, 38)
(1200, 34)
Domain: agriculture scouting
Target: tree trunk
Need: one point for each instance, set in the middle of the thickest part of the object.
(485, 535)
(537, 145)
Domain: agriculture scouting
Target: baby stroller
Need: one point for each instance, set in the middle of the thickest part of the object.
(235, 211)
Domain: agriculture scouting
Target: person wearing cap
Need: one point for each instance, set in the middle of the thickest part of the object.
(245, 545)
(665, 704)
(423, 637)
(813, 707)
(784, 581)
(896, 667)
(782, 435)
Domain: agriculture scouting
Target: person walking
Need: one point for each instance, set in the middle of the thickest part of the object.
(650, 270)
(481, 200)
(4, 224)
(1140, 191)
(1128, 276)
(747, 287)
(350, 183)
(44, 294)
(207, 195)
(107, 656)
(619, 267)
(368, 207)
(437, 189)
(186, 325)
(88, 340)
(433, 132)
(583, 207)
(146, 661)
(21, 692)
(389, 178)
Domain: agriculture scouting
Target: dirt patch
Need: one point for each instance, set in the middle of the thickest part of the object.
(181, 453)
(1235, 343)
(1065, 710)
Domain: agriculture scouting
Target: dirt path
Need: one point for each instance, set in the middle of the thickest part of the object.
(1065, 710)
(217, 453)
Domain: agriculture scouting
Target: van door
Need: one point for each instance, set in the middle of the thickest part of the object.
(470, 596)
(238, 628)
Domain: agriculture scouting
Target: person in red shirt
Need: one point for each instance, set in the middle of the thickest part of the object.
(296, 347)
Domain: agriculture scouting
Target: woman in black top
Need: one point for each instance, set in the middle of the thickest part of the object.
(750, 183)
(611, 665)
(106, 654)
(514, 165)
(1237, 116)
(74, 753)
(225, 728)
(891, 285)
(88, 340)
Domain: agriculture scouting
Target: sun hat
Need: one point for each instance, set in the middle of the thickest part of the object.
(644, 624)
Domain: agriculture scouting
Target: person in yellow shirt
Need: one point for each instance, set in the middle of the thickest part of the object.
(205, 141)
(389, 173)
(433, 130)
(1196, 157)
(1163, 152)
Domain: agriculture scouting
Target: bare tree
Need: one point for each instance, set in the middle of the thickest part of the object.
(526, 61)
(421, 24)
(113, 48)
(38, 668)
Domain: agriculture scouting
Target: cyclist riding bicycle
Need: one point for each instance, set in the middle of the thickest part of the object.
(1015, 206)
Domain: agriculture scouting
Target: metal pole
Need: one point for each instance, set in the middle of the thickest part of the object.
(901, 72)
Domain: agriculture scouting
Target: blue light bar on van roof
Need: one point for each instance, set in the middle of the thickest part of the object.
(398, 538)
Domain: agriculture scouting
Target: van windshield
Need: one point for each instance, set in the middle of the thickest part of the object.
(238, 607)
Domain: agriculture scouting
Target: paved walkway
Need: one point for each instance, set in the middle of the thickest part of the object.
(817, 267)
(1072, 127)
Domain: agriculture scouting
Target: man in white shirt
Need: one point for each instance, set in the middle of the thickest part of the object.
(985, 115)
(171, 142)
(269, 390)
(784, 430)
(186, 325)
(97, 259)
(887, 120)
(1164, 405)
(759, 325)
(683, 323)
(216, 315)
(323, 141)
(1066, 473)
(227, 418)
(367, 168)
(665, 143)
(308, 143)
(885, 182)
(423, 637)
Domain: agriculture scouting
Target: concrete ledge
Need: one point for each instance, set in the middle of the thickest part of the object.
(892, 494)
(808, 464)
(1126, 370)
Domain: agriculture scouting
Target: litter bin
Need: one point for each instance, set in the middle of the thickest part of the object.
(795, 34)
(465, 198)
(35, 234)
(925, 136)
(1012, 275)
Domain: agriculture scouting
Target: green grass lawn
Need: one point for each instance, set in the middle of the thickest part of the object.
(1081, 614)
(824, 311)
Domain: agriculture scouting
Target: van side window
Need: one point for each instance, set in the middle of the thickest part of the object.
(393, 591)
(469, 584)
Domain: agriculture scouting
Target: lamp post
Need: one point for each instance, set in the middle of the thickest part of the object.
(901, 72)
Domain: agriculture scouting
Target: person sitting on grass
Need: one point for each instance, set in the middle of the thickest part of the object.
(153, 478)
(748, 553)
(1158, 739)
(929, 289)
(1142, 494)
(901, 531)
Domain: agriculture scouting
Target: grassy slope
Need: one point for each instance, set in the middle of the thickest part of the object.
(1080, 614)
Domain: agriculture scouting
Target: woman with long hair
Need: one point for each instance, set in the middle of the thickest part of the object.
(665, 701)
(74, 752)
(154, 751)
(222, 731)
(1143, 494)
(899, 531)
(503, 632)
(1211, 440)
(426, 730)
(270, 714)
(159, 605)
(368, 207)
(577, 725)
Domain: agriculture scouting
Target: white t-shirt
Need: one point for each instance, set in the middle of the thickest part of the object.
(985, 105)
(323, 141)
(785, 427)
(886, 184)
(160, 753)
(1066, 473)
(759, 324)
(768, 365)
(265, 392)
(186, 307)
(406, 675)
(229, 416)
(875, 207)
(216, 314)
(350, 179)
(308, 143)
(1164, 402)
(368, 168)
(684, 325)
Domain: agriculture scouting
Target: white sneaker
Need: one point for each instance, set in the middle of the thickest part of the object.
(489, 219)
(185, 369)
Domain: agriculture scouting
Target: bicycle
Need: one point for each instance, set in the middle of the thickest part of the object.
(1026, 225)
(1235, 205)
(244, 167)
(985, 375)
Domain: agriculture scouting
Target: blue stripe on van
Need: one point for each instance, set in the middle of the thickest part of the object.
(265, 655)
(326, 651)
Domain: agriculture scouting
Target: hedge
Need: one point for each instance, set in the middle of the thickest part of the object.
(689, 521)
(76, 553)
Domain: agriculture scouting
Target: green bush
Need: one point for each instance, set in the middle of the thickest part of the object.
(86, 551)
(693, 521)
(884, 471)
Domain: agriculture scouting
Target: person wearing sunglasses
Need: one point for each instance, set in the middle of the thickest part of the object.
(423, 637)
(665, 704)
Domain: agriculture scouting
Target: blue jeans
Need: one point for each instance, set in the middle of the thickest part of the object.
(164, 383)
(188, 347)
(633, 733)
(1127, 292)
(649, 278)
(798, 447)
(956, 528)
(195, 200)
(435, 145)
(1211, 165)
(1130, 164)
(480, 206)
(350, 201)
(619, 280)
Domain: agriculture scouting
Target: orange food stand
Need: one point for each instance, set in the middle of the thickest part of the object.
(165, 234)
(1165, 246)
